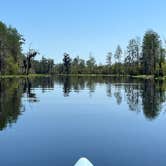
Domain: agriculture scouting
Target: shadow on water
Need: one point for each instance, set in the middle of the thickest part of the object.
(147, 96)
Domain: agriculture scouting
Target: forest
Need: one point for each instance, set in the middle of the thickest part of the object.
(141, 57)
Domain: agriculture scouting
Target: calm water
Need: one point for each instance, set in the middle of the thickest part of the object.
(55, 121)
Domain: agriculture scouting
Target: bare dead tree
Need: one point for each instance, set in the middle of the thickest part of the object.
(27, 62)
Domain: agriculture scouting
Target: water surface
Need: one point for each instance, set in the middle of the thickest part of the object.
(56, 121)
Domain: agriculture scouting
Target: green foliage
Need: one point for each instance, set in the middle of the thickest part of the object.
(118, 54)
(150, 52)
(43, 66)
(11, 66)
(10, 49)
(66, 63)
(132, 60)
(91, 65)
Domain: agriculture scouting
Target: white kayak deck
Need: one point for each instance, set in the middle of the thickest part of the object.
(83, 162)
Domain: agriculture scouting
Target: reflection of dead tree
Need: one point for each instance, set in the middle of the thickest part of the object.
(27, 88)
(27, 62)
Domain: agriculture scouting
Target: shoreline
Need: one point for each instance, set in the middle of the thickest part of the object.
(111, 75)
(145, 77)
(24, 76)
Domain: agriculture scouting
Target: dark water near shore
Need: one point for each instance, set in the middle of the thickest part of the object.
(55, 121)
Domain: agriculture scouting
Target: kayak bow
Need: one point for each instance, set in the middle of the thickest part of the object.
(83, 162)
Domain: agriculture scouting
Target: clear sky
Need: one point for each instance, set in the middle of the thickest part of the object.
(82, 26)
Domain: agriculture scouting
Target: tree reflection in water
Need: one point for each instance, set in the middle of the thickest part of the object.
(10, 101)
(11, 92)
(153, 96)
(147, 96)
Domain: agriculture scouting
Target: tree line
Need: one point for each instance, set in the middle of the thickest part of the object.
(141, 57)
(146, 57)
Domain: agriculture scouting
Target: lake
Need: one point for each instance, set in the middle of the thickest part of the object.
(55, 121)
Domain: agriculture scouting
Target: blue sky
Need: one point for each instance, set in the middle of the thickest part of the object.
(82, 26)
